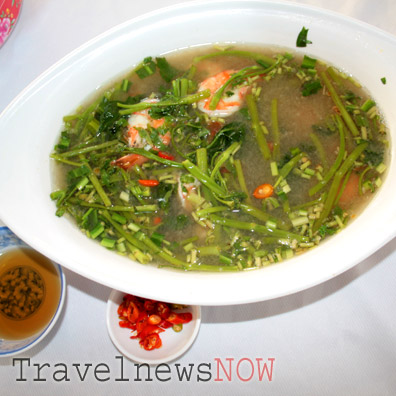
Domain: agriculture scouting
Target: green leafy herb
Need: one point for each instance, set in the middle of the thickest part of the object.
(325, 230)
(230, 133)
(302, 38)
(146, 68)
(383, 80)
(374, 153)
(64, 142)
(181, 221)
(167, 72)
(162, 194)
(323, 130)
(311, 87)
(111, 122)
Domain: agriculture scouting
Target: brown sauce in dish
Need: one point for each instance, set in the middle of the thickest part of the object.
(29, 293)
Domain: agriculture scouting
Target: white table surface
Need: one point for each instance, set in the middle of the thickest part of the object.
(338, 338)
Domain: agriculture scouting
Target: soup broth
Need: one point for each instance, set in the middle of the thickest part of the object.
(221, 159)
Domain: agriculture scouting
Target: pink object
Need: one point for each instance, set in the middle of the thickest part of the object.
(9, 12)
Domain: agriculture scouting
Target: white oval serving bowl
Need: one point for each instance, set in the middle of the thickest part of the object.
(364, 51)
(174, 344)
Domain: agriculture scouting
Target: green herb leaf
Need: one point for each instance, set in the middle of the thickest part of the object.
(181, 222)
(110, 120)
(230, 133)
(302, 39)
(146, 68)
(374, 153)
(325, 230)
(167, 72)
(311, 87)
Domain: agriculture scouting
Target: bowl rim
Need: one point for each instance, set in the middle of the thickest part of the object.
(387, 233)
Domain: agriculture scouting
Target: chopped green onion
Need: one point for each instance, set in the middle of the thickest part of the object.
(96, 231)
(108, 243)
(308, 62)
(118, 218)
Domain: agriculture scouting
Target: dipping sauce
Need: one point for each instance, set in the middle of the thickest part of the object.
(29, 293)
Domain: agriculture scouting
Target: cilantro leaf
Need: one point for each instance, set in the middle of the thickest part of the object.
(311, 87)
(302, 38)
(167, 72)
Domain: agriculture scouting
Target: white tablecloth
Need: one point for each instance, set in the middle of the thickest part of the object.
(338, 338)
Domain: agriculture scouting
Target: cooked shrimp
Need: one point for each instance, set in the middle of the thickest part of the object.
(129, 160)
(142, 120)
(232, 100)
(137, 121)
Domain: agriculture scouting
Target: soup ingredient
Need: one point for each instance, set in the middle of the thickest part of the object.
(302, 38)
(148, 318)
(148, 182)
(29, 293)
(172, 171)
(263, 191)
(228, 104)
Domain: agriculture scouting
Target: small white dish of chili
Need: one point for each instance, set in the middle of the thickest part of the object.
(159, 336)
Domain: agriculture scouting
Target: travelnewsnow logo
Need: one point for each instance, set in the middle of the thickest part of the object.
(219, 370)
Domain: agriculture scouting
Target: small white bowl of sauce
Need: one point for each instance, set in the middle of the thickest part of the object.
(32, 293)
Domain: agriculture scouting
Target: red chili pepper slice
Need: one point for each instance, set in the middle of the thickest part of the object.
(132, 312)
(148, 182)
(164, 324)
(151, 342)
(163, 310)
(263, 191)
(148, 318)
(127, 324)
(149, 329)
(154, 319)
(149, 306)
(165, 155)
(157, 220)
(179, 318)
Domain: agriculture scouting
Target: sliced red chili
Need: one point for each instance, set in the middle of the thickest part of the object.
(149, 329)
(166, 155)
(148, 318)
(127, 324)
(163, 310)
(132, 312)
(157, 220)
(148, 182)
(263, 191)
(154, 319)
(121, 311)
(151, 342)
(179, 318)
(164, 324)
(149, 306)
(141, 321)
